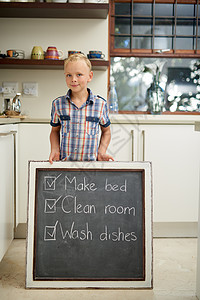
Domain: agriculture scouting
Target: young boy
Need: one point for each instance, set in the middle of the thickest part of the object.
(78, 115)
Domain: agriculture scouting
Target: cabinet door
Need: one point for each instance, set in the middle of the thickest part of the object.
(6, 188)
(174, 151)
(123, 145)
(33, 145)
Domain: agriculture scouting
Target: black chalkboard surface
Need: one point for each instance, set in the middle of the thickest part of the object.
(89, 224)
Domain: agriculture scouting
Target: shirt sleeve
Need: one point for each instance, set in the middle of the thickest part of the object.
(55, 120)
(105, 121)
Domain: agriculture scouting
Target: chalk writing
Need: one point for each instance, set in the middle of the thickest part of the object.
(82, 186)
(115, 187)
(72, 204)
(74, 233)
(117, 236)
(112, 209)
(77, 208)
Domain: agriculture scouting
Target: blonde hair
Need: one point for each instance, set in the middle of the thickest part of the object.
(76, 57)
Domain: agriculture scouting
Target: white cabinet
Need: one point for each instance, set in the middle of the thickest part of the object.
(33, 145)
(175, 154)
(174, 151)
(7, 183)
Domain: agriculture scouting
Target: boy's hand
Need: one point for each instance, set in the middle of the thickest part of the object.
(104, 142)
(55, 144)
(54, 156)
(104, 157)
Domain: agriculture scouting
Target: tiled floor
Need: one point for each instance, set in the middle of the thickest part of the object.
(174, 276)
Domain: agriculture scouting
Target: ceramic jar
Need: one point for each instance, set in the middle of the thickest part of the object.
(37, 53)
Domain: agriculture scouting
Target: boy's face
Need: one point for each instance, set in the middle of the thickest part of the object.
(77, 75)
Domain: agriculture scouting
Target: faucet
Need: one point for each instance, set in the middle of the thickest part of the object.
(16, 103)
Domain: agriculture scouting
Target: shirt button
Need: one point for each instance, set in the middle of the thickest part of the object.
(75, 149)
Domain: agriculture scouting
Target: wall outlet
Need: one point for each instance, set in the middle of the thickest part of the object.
(30, 88)
(10, 88)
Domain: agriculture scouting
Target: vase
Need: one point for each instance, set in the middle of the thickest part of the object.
(155, 98)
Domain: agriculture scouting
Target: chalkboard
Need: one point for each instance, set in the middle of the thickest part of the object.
(89, 224)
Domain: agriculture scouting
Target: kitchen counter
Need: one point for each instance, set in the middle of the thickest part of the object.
(193, 119)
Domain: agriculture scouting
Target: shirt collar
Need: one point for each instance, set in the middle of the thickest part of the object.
(90, 99)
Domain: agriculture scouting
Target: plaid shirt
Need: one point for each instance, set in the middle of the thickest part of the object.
(79, 126)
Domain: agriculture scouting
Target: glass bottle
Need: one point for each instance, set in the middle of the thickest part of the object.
(155, 98)
(113, 99)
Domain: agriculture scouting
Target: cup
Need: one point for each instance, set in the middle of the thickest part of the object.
(53, 53)
(12, 53)
(37, 53)
(74, 52)
(94, 54)
(21, 54)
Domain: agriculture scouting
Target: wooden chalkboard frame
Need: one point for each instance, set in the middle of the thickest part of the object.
(145, 282)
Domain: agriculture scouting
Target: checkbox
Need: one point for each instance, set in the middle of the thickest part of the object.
(50, 233)
(50, 205)
(50, 182)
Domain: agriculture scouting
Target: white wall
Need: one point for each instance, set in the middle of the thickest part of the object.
(65, 34)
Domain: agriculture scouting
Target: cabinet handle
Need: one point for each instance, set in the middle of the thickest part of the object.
(132, 145)
(7, 133)
(143, 145)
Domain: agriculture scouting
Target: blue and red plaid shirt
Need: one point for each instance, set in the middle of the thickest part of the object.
(79, 126)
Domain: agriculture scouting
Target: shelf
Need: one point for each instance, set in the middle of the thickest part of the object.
(7, 63)
(53, 10)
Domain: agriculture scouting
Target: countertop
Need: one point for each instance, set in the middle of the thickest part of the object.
(193, 119)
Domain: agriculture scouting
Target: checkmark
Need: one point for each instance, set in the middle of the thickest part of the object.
(50, 182)
(50, 205)
(50, 232)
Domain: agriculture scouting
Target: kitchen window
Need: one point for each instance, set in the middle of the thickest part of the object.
(156, 39)
(178, 78)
